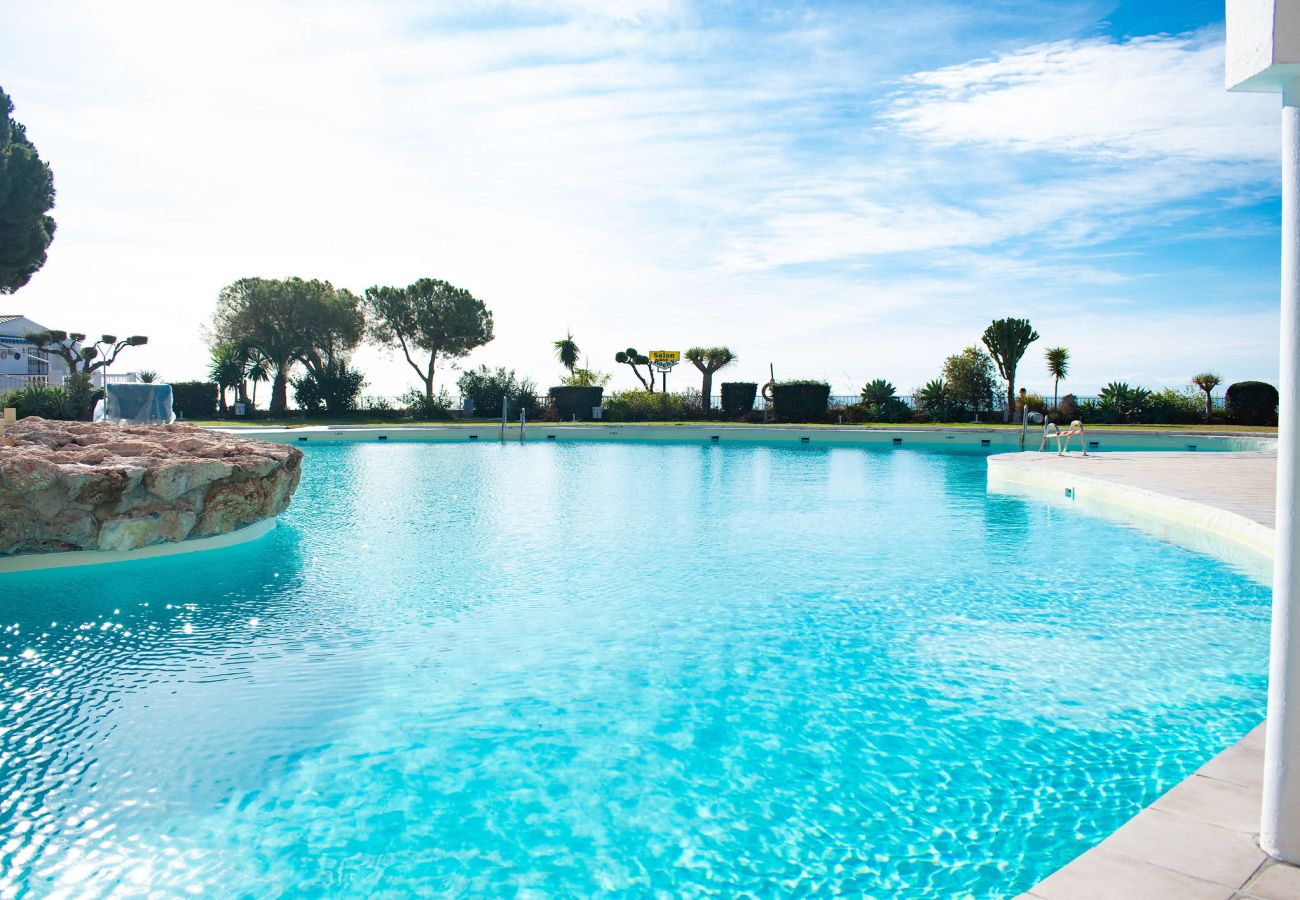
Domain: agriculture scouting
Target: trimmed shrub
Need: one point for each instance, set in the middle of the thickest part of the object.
(569, 401)
(1251, 403)
(800, 401)
(35, 399)
(738, 397)
(194, 399)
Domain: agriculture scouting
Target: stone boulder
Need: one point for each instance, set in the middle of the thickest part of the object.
(95, 486)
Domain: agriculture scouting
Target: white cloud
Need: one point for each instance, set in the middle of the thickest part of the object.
(1156, 97)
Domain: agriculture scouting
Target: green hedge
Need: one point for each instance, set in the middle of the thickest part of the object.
(1251, 403)
(800, 401)
(194, 399)
(568, 402)
(738, 397)
(648, 406)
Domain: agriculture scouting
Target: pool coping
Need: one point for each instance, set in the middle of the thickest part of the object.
(1200, 838)
(976, 436)
(61, 559)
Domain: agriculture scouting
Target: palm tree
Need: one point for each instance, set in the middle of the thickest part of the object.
(1058, 366)
(1207, 381)
(147, 376)
(709, 360)
(259, 369)
(226, 370)
(567, 352)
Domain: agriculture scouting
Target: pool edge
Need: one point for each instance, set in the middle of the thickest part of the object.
(35, 562)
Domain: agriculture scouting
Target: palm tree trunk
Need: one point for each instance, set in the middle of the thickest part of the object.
(706, 392)
(1056, 389)
(280, 390)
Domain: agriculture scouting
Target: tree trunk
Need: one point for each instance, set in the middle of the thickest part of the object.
(1056, 389)
(221, 400)
(280, 391)
(428, 376)
(1209, 405)
(706, 392)
(1010, 413)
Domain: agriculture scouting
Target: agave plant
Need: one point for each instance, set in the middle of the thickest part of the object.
(877, 392)
(1124, 401)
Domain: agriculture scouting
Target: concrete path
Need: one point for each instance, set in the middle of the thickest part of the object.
(1199, 839)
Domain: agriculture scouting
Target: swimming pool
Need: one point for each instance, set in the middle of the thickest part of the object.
(575, 668)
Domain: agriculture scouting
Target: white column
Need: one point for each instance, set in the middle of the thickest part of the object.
(1280, 822)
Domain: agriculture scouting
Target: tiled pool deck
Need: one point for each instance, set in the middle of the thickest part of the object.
(1199, 839)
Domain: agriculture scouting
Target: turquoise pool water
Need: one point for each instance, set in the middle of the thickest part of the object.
(575, 669)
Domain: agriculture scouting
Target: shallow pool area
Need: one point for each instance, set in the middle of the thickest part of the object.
(573, 668)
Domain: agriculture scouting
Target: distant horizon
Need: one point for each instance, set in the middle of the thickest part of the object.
(846, 191)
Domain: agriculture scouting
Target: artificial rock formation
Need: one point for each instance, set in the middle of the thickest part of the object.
(94, 486)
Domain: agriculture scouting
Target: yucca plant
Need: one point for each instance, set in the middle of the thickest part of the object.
(1207, 382)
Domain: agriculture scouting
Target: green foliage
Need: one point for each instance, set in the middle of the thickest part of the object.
(26, 197)
(194, 399)
(800, 401)
(1058, 366)
(334, 387)
(879, 404)
(1119, 403)
(428, 320)
(585, 378)
(1251, 403)
(36, 399)
(80, 356)
(1207, 382)
(738, 397)
(423, 408)
(1171, 407)
(1007, 341)
(936, 402)
(567, 352)
(568, 401)
(1033, 402)
(290, 321)
(147, 376)
(487, 387)
(650, 406)
(226, 368)
(709, 360)
(877, 392)
(972, 383)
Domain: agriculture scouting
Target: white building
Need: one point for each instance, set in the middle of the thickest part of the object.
(20, 362)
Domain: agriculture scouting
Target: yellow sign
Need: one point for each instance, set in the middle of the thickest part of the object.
(665, 356)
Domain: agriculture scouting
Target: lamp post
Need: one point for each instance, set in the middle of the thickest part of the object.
(1263, 55)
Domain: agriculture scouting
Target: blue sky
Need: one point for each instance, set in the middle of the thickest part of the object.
(844, 190)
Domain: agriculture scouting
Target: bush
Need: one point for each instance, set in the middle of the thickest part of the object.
(335, 389)
(649, 406)
(486, 388)
(568, 401)
(1171, 407)
(800, 401)
(194, 399)
(379, 408)
(1251, 403)
(35, 399)
(427, 409)
(738, 397)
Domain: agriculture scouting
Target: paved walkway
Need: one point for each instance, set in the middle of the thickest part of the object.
(1199, 839)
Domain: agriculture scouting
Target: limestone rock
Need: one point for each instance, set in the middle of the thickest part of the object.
(94, 486)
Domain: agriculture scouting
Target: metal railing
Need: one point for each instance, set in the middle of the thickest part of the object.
(18, 382)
